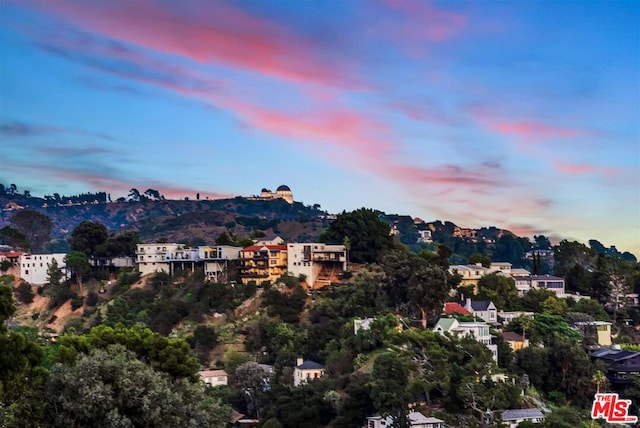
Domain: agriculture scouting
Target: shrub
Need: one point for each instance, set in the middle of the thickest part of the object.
(92, 299)
(24, 293)
(76, 302)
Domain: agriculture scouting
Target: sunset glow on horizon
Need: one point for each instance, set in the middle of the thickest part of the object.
(520, 115)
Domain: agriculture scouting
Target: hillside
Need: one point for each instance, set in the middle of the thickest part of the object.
(180, 220)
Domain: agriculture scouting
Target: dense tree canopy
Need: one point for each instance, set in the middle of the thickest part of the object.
(35, 226)
(88, 236)
(368, 236)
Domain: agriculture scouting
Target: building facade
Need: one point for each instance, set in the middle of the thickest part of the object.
(320, 263)
(478, 330)
(34, 267)
(262, 263)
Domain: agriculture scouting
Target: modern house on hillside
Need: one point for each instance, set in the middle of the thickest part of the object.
(169, 257)
(623, 367)
(34, 267)
(320, 263)
(415, 419)
(262, 263)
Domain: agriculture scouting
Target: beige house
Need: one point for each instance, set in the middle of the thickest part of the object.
(306, 370)
(214, 377)
(602, 331)
(515, 341)
(262, 263)
(320, 263)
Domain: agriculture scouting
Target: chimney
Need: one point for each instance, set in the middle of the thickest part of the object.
(299, 361)
(468, 304)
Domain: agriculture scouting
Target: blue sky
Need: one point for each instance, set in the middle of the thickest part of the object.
(522, 115)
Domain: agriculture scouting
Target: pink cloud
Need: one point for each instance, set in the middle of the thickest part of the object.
(220, 33)
(426, 22)
(574, 168)
(534, 130)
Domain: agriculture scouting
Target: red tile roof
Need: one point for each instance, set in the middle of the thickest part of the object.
(269, 247)
(455, 308)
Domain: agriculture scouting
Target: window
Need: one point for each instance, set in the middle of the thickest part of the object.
(26, 272)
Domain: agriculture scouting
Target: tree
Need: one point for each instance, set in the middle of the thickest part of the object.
(480, 258)
(54, 273)
(428, 290)
(169, 355)
(369, 236)
(249, 377)
(389, 379)
(14, 238)
(500, 289)
(541, 242)
(134, 195)
(78, 264)
(87, 237)
(21, 371)
(35, 226)
(110, 387)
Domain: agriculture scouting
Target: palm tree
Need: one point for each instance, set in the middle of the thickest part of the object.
(599, 379)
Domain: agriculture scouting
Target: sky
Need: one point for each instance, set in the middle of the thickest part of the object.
(521, 115)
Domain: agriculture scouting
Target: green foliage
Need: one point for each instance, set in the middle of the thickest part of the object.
(60, 294)
(24, 293)
(110, 387)
(54, 273)
(499, 289)
(302, 407)
(480, 258)
(87, 237)
(78, 264)
(368, 235)
(15, 239)
(204, 339)
(233, 360)
(172, 356)
(286, 305)
(389, 378)
(428, 290)
(35, 226)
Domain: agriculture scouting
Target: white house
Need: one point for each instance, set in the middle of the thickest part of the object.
(319, 263)
(306, 370)
(424, 236)
(214, 377)
(34, 267)
(524, 283)
(483, 309)
(478, 330)
(152, 258)
(514, 417)
(362, 324)
(216, 259)
(416, 420)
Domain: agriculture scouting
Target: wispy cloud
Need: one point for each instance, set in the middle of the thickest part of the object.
(18, 129)
(218, 34)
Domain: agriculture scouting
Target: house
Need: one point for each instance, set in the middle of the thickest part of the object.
(424, 236)
(261, 263)
(214, 377)
(504, 267)
(484, 309)
(623, 367)
(507, 317)
(216, 260)
(320, 263)
(516, 341)
(306, 370)
(452, 308)
(548, 282)
(514, 417)
(600, 329)
(362, 324)
(478, 330)
(152, 258)
(34, 268)
(416, 420)
(470, 274)
(276, 240)
(169, 257)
